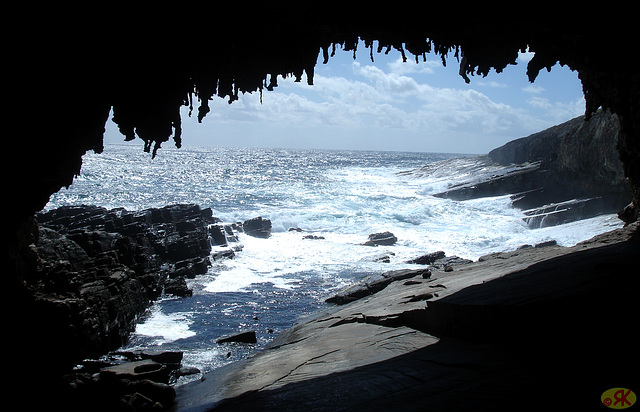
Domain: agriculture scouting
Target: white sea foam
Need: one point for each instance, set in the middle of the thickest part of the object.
(341, 197)
(165, 327)
(362, 201)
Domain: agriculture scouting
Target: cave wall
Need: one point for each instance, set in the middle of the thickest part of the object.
(74, 68)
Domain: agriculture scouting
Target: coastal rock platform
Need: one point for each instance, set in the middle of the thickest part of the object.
(563, 174)
(538, 328)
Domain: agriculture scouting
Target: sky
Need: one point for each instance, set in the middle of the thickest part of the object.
(389, 105)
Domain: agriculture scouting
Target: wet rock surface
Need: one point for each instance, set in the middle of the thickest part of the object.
(520, 328)
(247, 336)
(96, 272)
(373, 284)
(257, 227)
(381, 239)
(99, 269)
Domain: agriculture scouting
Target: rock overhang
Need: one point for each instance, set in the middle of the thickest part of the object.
(143, 66)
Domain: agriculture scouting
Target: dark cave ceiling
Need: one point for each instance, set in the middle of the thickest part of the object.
(146, 65)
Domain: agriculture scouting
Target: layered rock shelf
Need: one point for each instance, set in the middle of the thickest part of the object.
(99, 270)
(563, 174)
(531, 329)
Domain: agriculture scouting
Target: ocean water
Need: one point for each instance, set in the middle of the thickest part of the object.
(342, 196)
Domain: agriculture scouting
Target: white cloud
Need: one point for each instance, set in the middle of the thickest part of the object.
(530, 88)
(382, 106)
(558, 111)
(386, 82)
(492, 84)
(410, 67)
(381, 99)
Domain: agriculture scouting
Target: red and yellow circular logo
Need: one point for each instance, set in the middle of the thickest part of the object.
(618, 398)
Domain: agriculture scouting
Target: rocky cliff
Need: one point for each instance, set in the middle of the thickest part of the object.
(94, 272)
(578, 158)
(567, 172)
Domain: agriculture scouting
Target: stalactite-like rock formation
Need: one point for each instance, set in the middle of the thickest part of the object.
(146, 70)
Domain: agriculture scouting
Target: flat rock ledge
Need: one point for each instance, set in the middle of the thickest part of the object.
(540, 328)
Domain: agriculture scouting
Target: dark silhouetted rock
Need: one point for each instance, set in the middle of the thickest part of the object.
(257, 227)
(100, 269)
(448, 262)
(247, 336)
(384, 258)
(313, 237)
(381, 239)
(177, 287)
(144, 369)
(568, 172)
(427, 259)
(218, 236)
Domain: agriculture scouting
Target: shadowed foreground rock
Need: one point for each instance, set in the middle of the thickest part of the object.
(543, 328)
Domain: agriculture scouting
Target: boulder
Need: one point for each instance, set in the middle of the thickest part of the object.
(381, 239)
(257, 227)
(164, 357)
(223, 254)
(439, 260)
(144, 369)
(187, 370)
(313, 237)
(141, 378)
(427, 259)
(177, 287)
(447, 263)
(384, 258)
(218, 236)
(247, 336)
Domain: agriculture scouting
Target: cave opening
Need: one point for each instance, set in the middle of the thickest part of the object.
(413, 105)
(51, 157)
(124, 175)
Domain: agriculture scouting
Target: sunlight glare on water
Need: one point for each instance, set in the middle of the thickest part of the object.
(337, 197)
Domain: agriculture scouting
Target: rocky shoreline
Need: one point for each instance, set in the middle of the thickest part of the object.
(95, 272)
(531, 329)
(566, 173)
(100, 269)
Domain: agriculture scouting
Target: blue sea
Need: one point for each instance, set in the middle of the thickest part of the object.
(340, 196)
